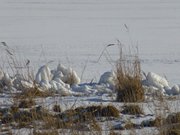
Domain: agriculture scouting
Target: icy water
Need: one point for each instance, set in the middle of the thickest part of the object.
(74, 32)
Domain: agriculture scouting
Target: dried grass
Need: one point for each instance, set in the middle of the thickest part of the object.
(132, 110)
(128, 79)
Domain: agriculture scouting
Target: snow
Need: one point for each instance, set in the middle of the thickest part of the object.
(175, 90)
(67, 74)
(95, 94)
(108, 78)
(65, 81)
(7, 80)
(156, 80)
(74, 32)
(58, 80)
(43, 75)
(27, 84)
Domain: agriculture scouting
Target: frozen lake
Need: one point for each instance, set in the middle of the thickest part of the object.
(74, 32)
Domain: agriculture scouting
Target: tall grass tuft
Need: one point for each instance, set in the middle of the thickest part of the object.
(128, 78)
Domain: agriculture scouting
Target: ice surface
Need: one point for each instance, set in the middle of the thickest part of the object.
(74, 32)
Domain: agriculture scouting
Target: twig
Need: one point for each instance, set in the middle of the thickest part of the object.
(104, 51)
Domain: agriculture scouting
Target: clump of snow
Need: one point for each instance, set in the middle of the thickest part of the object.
(59, 86)
(65, 81)
(108, 78)
(86, 89)
(67, 75)
(175, 90)
(43, 75)
(27, 84)
(58, 80)
(46, 80)
(156, 80)
(7, 80)
(92, 89)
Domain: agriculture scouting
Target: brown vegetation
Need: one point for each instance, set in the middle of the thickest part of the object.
(128, 79)
(132, 110)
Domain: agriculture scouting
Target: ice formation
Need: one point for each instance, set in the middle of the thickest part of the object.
(27, 84)
(65, 81)
(43, 75)
(7, 80)
(156, 80)
(67, 75)
(175, 90)
(108, 78)
(58, 80)
(159, 83)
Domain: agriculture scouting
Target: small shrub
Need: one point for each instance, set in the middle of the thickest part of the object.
(14, 109)
(128, 79)
(56, 108)
(33, 93)
(173, 118)
(129, 126)
(26, 103)
(85, 115)
(173, 124)
(174, 132)
(168, 126)
(110, 111)
(100, 111)
(157, 122)
(170, 130)
(7, 119)
(23, 116)
(95, 126)
(132, 110)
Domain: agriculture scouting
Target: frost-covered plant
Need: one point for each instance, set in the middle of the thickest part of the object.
(128, 79)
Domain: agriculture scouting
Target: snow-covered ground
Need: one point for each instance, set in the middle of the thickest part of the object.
(69, 93)
(76, 32)
(149, 108)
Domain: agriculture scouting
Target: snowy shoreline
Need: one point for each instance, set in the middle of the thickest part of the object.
(65, 81)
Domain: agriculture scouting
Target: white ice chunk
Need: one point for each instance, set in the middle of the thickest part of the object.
(76, 79)
(156, 80)
(54, 85)
(63, 69)
(175, 90)
(7, 80)
(83, 88)
(45, 85)
(43, 74)
(27, 84)
(63, 90)
(107, 78)
(58, 80)
(67, 75)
